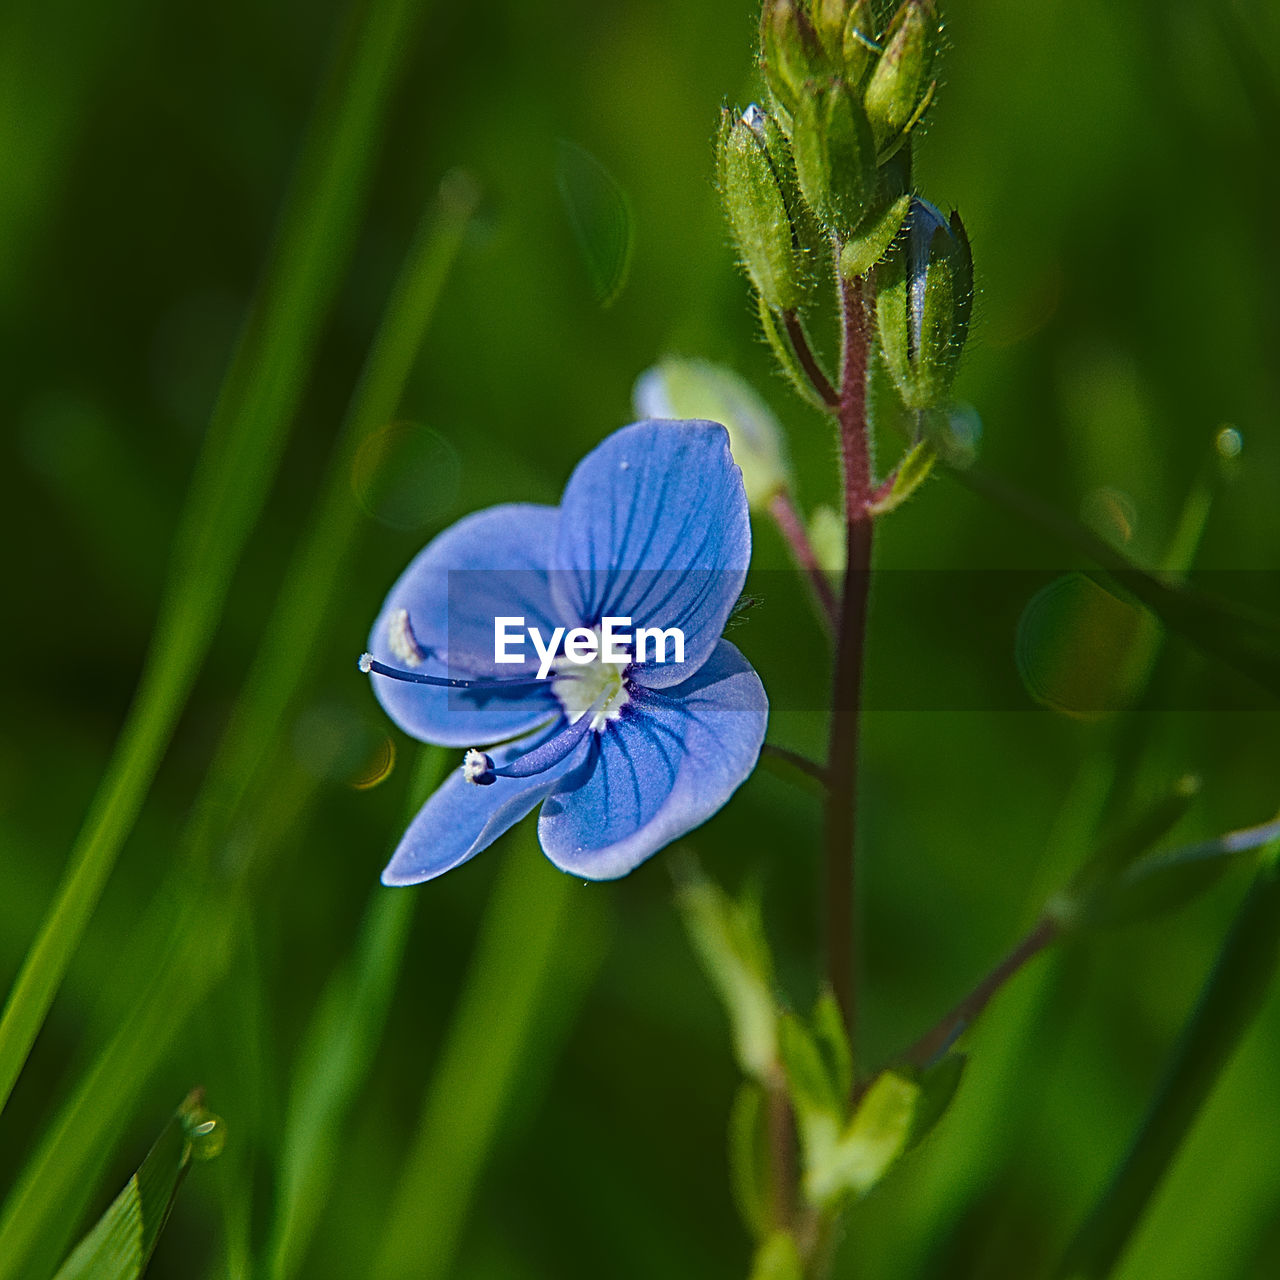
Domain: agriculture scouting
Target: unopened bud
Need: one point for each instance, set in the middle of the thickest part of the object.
(923, 303)
(835, 158)
(900, 89)
(751, 187)
(792, 57)
(698, 389)
(858, 47)
(829, 17)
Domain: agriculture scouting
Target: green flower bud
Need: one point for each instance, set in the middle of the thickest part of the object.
(829, 18)
(791, 54)
(835, 157)
(923, 302)
(698, 389)
(900, 89)
(751, 187)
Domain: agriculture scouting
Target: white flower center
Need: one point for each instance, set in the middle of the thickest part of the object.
(584, 686)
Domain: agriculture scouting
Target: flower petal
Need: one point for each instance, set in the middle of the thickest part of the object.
(654, 527)
(460, 819)
(663, 768)
(492, 563)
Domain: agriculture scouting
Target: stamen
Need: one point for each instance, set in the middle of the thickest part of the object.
(368, 663)
(550, 751)
(477, 767)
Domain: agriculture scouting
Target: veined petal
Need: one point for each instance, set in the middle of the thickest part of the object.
(461, 818)
(439, 619)
(670, 762)
(654, 527)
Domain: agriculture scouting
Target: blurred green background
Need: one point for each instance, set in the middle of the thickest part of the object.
(1115, 166)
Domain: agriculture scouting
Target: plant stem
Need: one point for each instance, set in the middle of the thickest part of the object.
(791, 526)
(936, 1039)
(846, 692)
(808, 361)
(801, 763)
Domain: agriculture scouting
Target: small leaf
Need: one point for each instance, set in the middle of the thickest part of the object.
(871, 1144)
(814, 1092)
(600, 215)
(778, 1259)
(833, 1040)
(749, 1157)
(121, 1244)
(871, 242)
(729, 939)
(912, 472)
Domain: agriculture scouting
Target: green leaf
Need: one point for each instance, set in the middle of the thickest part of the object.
(749, 1157)
(914, 469)
(600, 215)
(778, 1259)
(121, 1244)
(729, 939)
(938, 1086)
(879, 1132)
(814, 1092)
(786, 356)
(833, 1041)
(1164, 883)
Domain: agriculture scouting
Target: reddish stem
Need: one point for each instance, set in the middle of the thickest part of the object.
(846, 693)
(808, 361)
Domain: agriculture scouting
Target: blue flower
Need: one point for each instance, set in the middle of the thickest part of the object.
(624, 757)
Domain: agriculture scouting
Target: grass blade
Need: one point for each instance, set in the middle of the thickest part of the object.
(538, 947)
(1232, 999)
(121, 1244)
(199, 944)
(237, 463)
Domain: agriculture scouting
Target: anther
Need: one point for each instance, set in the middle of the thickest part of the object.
(477, 767)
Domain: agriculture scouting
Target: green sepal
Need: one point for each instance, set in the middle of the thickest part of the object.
(835, 158)
(900, 89)
(749, 1158)
(853, 1161)
(785, 354)
(829, 18)
(914, 469)
(778, 1259)
(758, 213)
(871, 242)
(859, 46)
(728, 937)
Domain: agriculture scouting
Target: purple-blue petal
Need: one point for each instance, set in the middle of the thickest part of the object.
(671, 761)
(499, 560)
(654, 527)
(461, 819)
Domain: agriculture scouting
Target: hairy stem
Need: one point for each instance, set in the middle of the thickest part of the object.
(846, 693)
(808, 361)
(791, 526)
